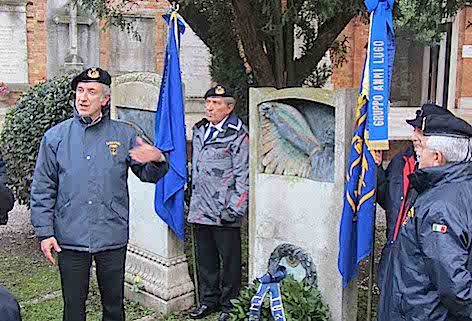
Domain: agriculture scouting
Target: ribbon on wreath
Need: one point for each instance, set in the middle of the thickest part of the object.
(270, 283)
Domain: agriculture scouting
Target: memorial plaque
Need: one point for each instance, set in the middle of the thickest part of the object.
(128, 54)
(13, 50)
(195, 61)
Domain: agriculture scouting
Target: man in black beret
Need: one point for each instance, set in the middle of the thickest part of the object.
(429, 275)
(79, 195)
(394, 191)
(220, 183)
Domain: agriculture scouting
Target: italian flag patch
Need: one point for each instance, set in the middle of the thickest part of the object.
(439, 228)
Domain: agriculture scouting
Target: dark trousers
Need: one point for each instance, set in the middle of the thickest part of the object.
(216, 245)
(75, 276)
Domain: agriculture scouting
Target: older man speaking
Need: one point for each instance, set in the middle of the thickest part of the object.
(79, 195)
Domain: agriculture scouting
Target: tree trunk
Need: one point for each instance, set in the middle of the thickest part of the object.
(328, 32)
(253, 46)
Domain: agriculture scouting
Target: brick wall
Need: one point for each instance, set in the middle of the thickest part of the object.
(349, 75)
(36, 41)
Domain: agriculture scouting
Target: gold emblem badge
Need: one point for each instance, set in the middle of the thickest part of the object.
(93, 73)
(409, 215)
(219, 90)
(113, 147)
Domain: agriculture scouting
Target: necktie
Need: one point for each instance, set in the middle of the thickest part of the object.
(210, 136)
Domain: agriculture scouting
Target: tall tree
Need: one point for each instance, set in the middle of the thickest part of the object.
(281, 42)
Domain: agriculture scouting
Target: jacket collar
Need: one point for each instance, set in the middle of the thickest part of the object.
(232, 122)
(88, 121)
(427, 178)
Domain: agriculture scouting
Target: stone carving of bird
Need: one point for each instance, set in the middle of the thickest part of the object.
(289, 144)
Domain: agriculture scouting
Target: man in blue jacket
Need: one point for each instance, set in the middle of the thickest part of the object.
(429, 275)
(79, 195)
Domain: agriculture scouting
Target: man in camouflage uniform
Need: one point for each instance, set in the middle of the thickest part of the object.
(220, 176)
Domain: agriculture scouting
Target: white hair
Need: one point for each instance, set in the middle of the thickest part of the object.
(106, 90)
(230, 101)
(454, 149)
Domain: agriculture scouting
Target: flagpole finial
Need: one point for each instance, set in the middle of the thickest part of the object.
(175, 6)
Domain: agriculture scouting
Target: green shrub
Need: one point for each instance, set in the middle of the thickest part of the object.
(37, 110)
(301, 302)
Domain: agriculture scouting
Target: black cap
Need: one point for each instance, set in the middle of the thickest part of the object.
(94, 74)
(218, 91)
(427, 109)
(446, 125)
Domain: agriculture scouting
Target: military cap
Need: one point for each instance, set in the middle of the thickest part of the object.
(94, 74)
(218, 91)
(427, 109)
(446, 125)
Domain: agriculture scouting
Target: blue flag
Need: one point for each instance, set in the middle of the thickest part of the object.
(381, 53)
(357, 221)
(170, 133)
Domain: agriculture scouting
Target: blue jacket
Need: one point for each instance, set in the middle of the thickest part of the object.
(429, 272)
(79, 192)
(220, 174)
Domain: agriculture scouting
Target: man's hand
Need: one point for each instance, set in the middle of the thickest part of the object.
(145, 153)
(46, 247)
(378, 156)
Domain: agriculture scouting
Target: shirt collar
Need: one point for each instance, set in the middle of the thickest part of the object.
(219, 126)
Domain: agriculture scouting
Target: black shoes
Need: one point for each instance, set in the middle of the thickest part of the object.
(202, 311)
(224, 316)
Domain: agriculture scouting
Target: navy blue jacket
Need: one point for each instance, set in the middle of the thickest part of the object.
(9, 307)
(6, 196)
(429, 275)
(79, 192)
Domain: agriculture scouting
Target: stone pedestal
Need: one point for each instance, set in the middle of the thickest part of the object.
(302, 210)
(156, 268)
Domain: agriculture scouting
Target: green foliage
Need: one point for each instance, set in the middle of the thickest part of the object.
(39, 109)
(423, 18)
(300, 302)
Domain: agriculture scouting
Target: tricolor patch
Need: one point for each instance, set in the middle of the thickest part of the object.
(439, 228)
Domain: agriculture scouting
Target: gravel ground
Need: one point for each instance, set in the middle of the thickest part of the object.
(18, 234)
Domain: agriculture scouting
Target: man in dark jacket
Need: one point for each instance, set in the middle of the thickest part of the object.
(6, 196)
(79, 195)
(9, 307)
(394, 191)
(220, 176)
(429, 275)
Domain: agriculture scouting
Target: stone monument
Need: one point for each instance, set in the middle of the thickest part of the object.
(130, 54)
(299, 140)
(72, 38)
(13, 46)
(156, 267)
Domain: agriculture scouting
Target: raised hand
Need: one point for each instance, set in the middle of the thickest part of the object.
(145, 153)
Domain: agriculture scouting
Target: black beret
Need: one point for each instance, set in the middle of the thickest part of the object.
(446, 125)
(94, 74)
(427, 109)
(218, 91)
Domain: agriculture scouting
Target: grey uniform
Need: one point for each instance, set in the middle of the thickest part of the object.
(220, 174)
(79, 192)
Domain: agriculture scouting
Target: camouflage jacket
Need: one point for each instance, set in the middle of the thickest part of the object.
(220, 174)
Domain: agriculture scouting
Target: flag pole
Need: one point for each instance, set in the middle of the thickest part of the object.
(371, 272)
(194, 263)
(372, 255)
